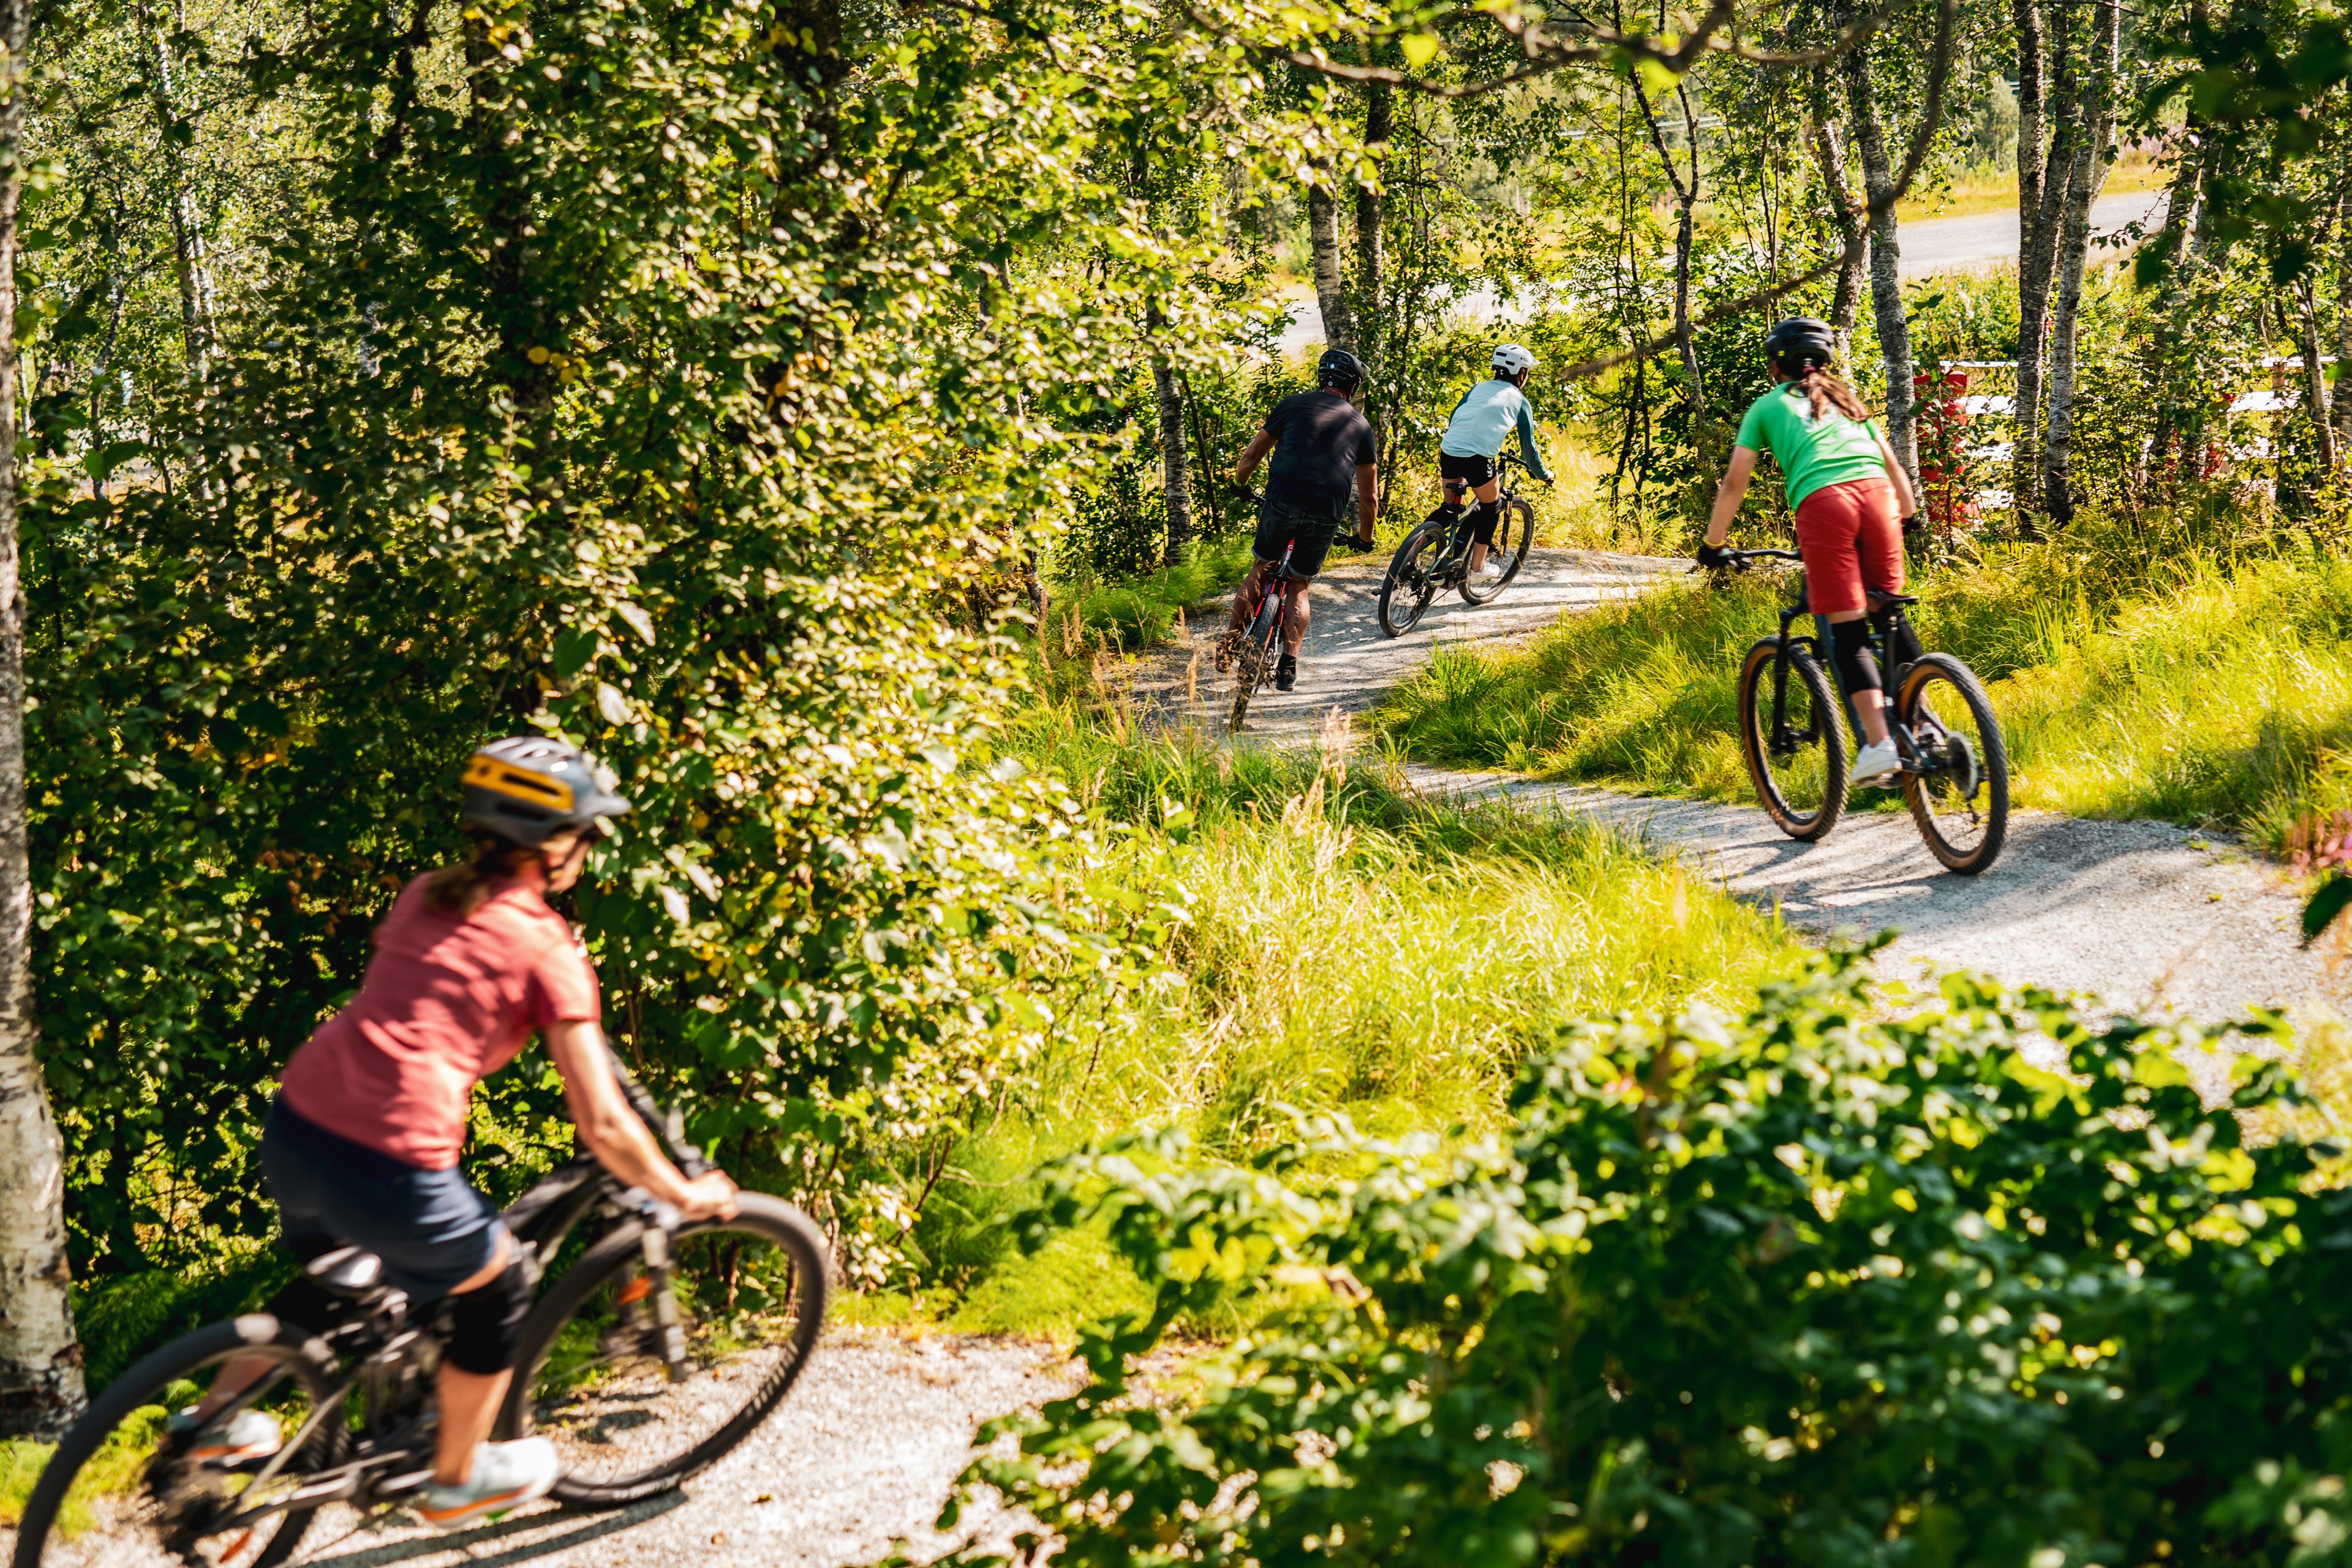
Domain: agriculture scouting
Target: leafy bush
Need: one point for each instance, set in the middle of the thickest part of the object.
(1988, 1284)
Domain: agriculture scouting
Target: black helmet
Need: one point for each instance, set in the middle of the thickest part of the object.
(528, 789)
(1802, 342)
(1338, 367)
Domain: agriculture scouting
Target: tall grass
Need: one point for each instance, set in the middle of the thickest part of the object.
(1347, 948)
(2202, 687)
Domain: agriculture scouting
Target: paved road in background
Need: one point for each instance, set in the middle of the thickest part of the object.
(1936, 247)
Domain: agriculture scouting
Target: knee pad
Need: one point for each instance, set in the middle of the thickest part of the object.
(1857, 666)
(1483, 518)
(485, 1325)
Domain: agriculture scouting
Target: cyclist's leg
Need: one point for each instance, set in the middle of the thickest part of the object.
(1879, 545)
(1311, 542)
(1472, 476)
(1829, 523)
(1483, 519)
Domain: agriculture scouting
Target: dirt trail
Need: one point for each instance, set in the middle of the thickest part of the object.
(2140, 915)
(861, 1454)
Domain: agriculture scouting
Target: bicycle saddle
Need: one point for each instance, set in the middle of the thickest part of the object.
(1880, 599)
(346, 1271)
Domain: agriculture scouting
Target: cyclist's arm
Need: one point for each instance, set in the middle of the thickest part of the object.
(614, 1133)
(1733, 491)
(1527, 442)
(1252, 455)
(1905, 502)
(1367, 500)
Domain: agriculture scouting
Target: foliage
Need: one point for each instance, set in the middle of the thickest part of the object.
(1809, 1286)
(656, 375)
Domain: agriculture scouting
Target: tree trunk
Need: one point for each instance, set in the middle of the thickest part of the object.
(2093, 122)
(1371, 261)
(2042, 175)
(40, 1365)
(1175, 463)
(189, 261)
(1885, 260)
(1846, 215)
(2314, 380)
(2343, 316)
(1331, 290)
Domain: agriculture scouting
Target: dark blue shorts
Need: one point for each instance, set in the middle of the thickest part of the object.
(431, 1230)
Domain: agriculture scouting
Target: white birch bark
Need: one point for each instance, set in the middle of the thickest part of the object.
(40, 1365)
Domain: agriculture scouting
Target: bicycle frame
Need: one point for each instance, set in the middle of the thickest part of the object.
(1458, 537)
(1907, 744)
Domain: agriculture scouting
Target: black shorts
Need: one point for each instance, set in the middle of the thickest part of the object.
(431, 1230)
(1308, 536)
(1472, 471)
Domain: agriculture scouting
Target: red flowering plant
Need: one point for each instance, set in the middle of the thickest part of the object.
(2321, 846)
(1948, 473)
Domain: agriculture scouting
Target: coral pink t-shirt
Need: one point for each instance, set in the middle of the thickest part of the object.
(447, 1000)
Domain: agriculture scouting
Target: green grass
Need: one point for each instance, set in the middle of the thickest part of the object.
(1347, 948)
(2200, 688)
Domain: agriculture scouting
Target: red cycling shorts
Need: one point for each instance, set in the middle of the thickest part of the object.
(1850, 538)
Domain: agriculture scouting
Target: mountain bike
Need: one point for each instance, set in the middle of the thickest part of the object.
(1954, 767)
(659, 1348)
(1253, 653)
(1437, 555)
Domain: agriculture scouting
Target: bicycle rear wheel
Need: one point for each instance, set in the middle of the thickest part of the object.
(1408, 588)
(1515, 531)
(592, 1376)
(1797, 761)
(121, 1492)
(1960, 798)
(1253, 666)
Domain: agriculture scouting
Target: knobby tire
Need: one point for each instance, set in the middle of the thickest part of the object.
(1938, 672)
(768, 1218)
(1809, 691)
(147, 1382)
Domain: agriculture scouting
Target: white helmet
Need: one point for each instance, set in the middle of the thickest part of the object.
(1511, 359)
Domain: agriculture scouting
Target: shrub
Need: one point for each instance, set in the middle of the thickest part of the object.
(1989, 1284)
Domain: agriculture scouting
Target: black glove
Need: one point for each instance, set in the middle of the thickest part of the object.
(1714, 556)
(1355, 543)
(1913, 528)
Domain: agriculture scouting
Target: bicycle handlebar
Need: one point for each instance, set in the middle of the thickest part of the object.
(1748, 560)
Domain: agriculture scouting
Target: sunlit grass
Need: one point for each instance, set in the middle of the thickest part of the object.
(1347, 949)
(2210, 694)
(114, 1471)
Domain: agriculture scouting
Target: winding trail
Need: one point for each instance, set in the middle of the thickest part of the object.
(2141, 916)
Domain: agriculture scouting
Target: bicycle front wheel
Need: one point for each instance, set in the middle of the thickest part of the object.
(122, 1491)
(1960, 796)
(1515, 531)
(1790, 733)
(1408, 588)
(592, 1377)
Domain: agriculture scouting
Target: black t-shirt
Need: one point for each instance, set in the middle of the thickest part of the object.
(1320, 441)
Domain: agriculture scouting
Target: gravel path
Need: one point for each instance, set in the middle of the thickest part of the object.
(861, 1454)
(2139, 915)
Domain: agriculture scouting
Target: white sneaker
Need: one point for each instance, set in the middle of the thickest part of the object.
(506, 1475)
(248, 1435)
(1489, 572)
(1875, 761)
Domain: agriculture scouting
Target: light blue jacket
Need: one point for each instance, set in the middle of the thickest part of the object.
(1484, 418)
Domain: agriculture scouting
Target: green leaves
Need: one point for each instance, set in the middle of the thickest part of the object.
(1794, 1288)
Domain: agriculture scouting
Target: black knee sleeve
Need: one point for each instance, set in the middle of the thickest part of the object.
(1483, 518)
(485, 1324)
(1857, 666)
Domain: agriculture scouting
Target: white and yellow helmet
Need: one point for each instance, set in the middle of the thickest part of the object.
(1513, 358)
(528, 788)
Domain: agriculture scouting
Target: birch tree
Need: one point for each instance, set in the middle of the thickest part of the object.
(1885, 261)
(2090, 115)
(40, 1365)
